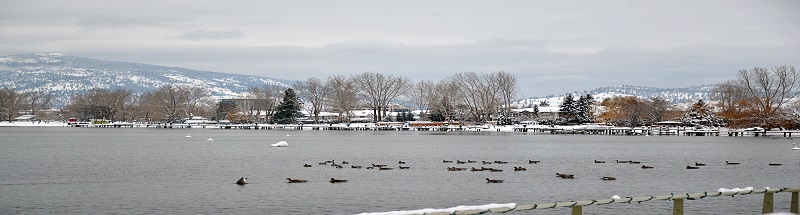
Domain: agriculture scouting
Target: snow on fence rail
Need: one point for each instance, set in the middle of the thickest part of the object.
(577, 206)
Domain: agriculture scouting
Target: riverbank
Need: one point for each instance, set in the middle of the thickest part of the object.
(535, 129)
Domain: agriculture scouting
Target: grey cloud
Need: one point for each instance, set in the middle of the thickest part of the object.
(211, 35)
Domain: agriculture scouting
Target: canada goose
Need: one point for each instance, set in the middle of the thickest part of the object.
(533, 162)
(493, 181)
(495, 170)
(242, 181)
(337, 180)
(306, 165)
(379, 165)
(385, 168)
(446, 161)
(370, 167)
(486, 162)
(619, 161)
(500, 162)
(401, 162)
(699, 164)
(565, 176)
(460, 162)
(471, 161)
(355, 167)
(296, 180)
(646, 167)
(455, 169)
(405, 167)
(692, 167)
(519, 168)
(731, 163)
(339, 166)
(475, 169)
(775, 164)
(345, 162)
(634, 162)
(608, 178)
(597, 161)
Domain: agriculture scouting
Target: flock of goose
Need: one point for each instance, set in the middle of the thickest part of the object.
(332, 163)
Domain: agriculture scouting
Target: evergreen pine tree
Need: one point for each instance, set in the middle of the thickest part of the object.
(567, 108)
(288, 110)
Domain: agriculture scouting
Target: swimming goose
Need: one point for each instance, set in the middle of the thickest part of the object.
(355, 167)
(306, 165)
(405, 167)
(692, 167)
(775, 164)
(296, 180)
(242, 181)
(699, 164)
(608, 178)
(500, 162)
(565, 176)
(731, 163)
(337, 180)
(533, 162)
(493, 181)
(519, 168)
(446, 161)
(385, 168)
(597, 161)
(646, 167)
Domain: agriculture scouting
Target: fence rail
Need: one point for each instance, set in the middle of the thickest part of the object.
(678, 200)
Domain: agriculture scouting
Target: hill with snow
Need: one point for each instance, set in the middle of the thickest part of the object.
(64, 75)
(674, 95)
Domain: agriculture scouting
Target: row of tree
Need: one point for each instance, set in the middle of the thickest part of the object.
(765, 97)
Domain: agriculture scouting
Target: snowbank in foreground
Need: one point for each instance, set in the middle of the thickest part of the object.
(446, 210)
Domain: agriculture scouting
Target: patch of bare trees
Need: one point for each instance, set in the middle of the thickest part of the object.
(759, 97)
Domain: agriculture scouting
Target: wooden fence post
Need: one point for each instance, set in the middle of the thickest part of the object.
(677, 207)
(769, 199)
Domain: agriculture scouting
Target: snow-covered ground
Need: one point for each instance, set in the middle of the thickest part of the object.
(32, 124)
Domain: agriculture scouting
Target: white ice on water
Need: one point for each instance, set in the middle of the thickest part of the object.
(280, 144)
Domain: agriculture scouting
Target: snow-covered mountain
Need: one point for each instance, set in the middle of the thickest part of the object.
(674, 95)
(65, 75)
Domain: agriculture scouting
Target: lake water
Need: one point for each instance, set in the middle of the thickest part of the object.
(160, 171)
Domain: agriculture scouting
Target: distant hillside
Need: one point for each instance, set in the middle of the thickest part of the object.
(65, 75)
(674, 95)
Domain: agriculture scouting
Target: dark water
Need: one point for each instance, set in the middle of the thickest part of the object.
(153, 171)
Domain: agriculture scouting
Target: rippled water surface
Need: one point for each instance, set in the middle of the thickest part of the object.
(160, 171)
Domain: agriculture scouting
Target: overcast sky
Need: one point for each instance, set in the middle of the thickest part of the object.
(553, 47)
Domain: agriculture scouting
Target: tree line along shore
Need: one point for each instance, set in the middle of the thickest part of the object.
(758, 97)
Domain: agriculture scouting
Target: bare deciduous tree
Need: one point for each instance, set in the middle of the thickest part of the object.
(313, 92)
(379, 90)
(343, 96)
(768, 91)
(479, 94)
(506, 83)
